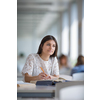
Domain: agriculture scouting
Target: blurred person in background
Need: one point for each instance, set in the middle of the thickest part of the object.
(79, 67)
(64, 65)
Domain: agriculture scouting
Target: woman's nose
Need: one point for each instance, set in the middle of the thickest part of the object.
(51, 47)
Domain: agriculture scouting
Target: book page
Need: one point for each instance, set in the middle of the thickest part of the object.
(65, 77)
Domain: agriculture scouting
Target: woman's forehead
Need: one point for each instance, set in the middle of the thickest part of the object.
(50, 41)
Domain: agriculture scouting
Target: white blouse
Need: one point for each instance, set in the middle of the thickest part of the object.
(34, 62)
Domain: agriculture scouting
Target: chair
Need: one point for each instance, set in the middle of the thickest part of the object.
(73, 90)
(78, 76)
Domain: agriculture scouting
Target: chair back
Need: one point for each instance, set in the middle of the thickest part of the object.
(73, 90)
(78, 76)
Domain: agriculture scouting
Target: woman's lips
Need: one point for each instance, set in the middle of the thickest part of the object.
(50, 51)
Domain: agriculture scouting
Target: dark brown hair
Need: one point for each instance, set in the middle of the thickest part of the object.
(46, 38)
(61, 57)
(80, 60)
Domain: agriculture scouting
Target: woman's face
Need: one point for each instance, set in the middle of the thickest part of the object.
(63, 61)
(49, 47)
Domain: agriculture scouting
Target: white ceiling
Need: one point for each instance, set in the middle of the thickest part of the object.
(35, 16)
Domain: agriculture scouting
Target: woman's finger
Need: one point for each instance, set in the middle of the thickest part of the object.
(43, 74)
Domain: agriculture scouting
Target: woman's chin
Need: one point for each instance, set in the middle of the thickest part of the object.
(50, 54)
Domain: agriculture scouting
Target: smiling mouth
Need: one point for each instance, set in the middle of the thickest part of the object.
(50, 51)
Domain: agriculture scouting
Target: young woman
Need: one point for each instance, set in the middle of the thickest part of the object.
(46, 58)
(79, 67)
(63, 62)
(64, 65)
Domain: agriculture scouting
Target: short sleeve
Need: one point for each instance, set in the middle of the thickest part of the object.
(28, 67)
(55, 67)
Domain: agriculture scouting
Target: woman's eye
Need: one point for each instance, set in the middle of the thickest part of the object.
(48, 44)
(54, 46)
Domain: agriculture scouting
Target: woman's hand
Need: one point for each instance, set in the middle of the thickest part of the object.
(54, 76)
(43, 76)
(48, 77)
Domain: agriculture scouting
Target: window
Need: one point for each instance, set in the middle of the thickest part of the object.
(65, 34)
(74, 34)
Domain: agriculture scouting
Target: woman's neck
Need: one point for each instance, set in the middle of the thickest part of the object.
(44, 57)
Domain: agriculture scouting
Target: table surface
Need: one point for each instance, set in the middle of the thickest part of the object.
(34, 88)
(31, 90)
(30, 87)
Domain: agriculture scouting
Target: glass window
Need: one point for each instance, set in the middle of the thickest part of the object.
(74, 34)
(65, 34)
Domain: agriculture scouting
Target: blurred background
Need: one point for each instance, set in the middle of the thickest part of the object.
(64, 19)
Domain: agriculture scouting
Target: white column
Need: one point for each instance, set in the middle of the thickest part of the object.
(79, 8)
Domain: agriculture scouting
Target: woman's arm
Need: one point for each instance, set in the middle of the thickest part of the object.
(29, 78)
(54, 76)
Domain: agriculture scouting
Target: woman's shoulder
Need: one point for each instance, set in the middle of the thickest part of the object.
(33, 55)
(79, 66)
(53, 59)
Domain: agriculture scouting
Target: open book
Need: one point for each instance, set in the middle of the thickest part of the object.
(65, 77)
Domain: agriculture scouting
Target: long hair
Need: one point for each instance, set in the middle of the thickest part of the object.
(46, 38)
(80, 60)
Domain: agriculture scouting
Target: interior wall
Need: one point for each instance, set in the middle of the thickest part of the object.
(24, 45)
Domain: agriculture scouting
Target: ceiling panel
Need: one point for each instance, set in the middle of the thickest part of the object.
(33, 15)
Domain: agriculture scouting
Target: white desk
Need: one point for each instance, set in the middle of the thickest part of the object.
(31, 90)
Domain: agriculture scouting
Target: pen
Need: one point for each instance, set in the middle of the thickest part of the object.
(43, 70)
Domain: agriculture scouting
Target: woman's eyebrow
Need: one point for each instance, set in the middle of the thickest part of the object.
(50, 43)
